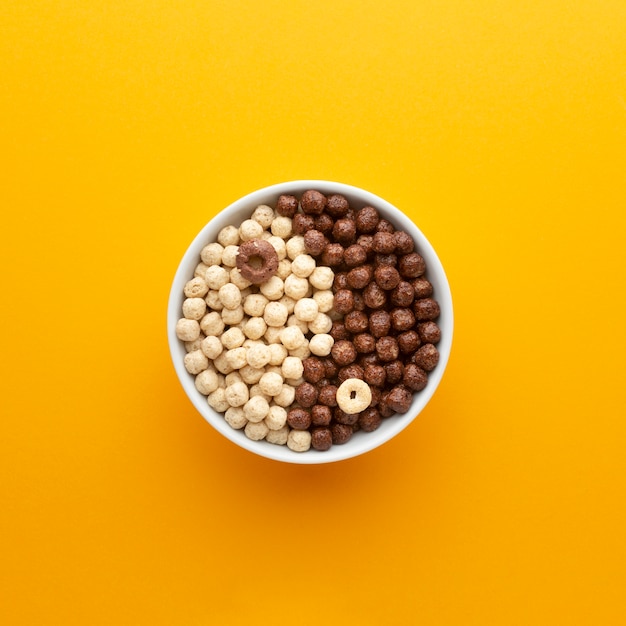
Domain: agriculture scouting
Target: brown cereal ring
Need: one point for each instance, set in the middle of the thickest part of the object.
(354, 395)
(257, 261)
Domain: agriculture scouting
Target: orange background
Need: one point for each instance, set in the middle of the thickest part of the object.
(499, 126)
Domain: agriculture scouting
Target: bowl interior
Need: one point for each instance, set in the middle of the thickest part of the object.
(240, 210)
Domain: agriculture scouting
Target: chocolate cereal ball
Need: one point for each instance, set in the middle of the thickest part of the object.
(366, 242)
(383, 243)
(350, 371)
(414, 377)
(341, 417)
(402, 319)
(387, 277)
(379, 323)
(426, 309)
(404, 242)
(384, 407)
(374, 375)
(408, 341)
(321, 415)
(411, 265)
(343, 301)
(306, 395)
(343, 352)
(360, 277)
(364, 343)
(356, 322)
(344, 231)
(387, 349)
(333, 255)
(324, 223)
(321, 439)
(394, 372)
(426, 357)
(355, 255)
(337, 205)
(302, 223)
(327, 395)
(385, 226)
(359, 302)
(287, 206)
(331, 368)
(402, 294)
(374, 296)
(386, 259)
(298, 418)
(370, 419)
(399, 399)
(367, 219)
(313, 202)
(340, 281)
(341, 433)
(422, 288)
(314, 242)
(429, 332)
(314, 369)
(339, 331)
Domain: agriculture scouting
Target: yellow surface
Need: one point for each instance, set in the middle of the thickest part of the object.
(500, 127)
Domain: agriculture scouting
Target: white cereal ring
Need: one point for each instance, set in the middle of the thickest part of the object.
(354, 395)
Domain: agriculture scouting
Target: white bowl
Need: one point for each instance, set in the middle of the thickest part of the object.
(240, 210)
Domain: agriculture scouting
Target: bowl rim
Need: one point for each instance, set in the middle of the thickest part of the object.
(360, 443)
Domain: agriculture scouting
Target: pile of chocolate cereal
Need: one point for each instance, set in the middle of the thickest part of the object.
(309, 321)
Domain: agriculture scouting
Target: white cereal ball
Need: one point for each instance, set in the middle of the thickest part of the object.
(216, 276)
(273, 289)
(237, 394)
(221, 380)
(254, 327)
(232, 317)
(217, 400)
(276, 417)
(288, 302)
(294, 382)
(299, 440)
(212, 324)
(258, 356)
(237, 279)
(256, 431)
(206, 381)
(274, 368)
(281, 227)
(295, 247)
(292, 367)
(228, 236)
(200, 270)
(271, 383)
(354, 395)
(235, 418)
(275, 314)
(321, 324)
(265, 235)
(187, 330)
(196, 344)
(294, 321)
(250, 229)
(279, 245)
(222, 365)
(284, 268)
(296, 287)
(195, 362)
(251, 375)
(256, 408)
(272, 335)
(236, 358)
(322, 277)
(305, 309)
(211, 346)
(229, 256)
(325, 300)
(212, 300)
(321, 345)
(278, 353)
(291, 337)
(286, 396)
(278, 437)
(303, 265)
(232, 338)
(197, 287)
(264, 215)
(212, 254)
(230, 296)
(254, 304)
(255, 390)
(302, 351)
(232, 378)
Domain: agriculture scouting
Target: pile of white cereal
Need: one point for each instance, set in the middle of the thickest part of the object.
(245, 343)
